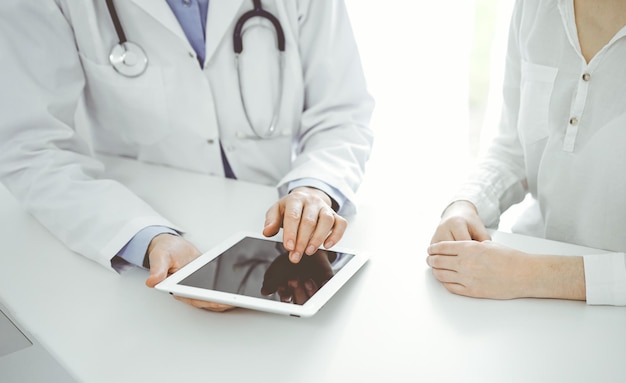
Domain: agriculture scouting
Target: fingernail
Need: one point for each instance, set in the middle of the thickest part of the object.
(290, 245)
(310, 250)
(329, 244)
(295, 257)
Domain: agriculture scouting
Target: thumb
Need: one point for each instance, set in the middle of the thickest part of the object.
(272, 221)
(481, 234)
(158, 270)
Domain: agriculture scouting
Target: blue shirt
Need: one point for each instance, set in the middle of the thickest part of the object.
(191, 15)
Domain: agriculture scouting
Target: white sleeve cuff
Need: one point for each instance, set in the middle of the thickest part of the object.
(605, 279)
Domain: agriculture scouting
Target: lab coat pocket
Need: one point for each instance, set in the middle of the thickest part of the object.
(537, 83)
(133, 109)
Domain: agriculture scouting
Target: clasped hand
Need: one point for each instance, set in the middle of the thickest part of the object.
(464, 259)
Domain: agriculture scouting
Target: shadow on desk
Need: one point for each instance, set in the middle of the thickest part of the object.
(483, 317)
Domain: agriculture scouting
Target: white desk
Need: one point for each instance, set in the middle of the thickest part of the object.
(394, 322)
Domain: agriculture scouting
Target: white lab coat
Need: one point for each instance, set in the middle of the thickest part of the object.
(57, 81)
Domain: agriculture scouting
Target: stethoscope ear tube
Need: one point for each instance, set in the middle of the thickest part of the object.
(257, 12)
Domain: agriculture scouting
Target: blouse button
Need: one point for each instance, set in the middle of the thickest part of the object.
(573, 121)
(586, 77)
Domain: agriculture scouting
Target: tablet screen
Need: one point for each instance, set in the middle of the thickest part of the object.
(261, 268)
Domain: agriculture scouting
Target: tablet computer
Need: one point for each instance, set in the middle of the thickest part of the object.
(251, 271)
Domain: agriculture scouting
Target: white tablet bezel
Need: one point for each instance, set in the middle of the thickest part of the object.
(313, 305)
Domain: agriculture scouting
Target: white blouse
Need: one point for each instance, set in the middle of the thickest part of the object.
(562, 138)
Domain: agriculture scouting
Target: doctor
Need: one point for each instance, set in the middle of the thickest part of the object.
(157, 81)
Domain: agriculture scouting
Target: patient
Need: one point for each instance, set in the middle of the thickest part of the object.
(561, 138)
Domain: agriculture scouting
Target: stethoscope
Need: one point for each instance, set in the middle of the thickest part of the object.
(126, 57)
(130, 60)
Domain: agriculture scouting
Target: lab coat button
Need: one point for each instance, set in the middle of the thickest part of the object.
(586, 77)
(573, 121)
(210, 141)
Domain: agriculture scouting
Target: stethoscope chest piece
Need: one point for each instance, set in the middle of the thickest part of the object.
(128, 59)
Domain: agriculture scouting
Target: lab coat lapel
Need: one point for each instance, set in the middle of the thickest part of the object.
(222, 15)
(160, 11)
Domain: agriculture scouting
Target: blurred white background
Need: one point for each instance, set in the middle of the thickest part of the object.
(432, 67)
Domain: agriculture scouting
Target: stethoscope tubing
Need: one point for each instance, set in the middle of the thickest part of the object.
(238, 31)
(258, 11)
(130, 60)
(121, 35)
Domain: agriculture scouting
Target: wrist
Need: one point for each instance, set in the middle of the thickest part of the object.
(460, 207)
(153, 243)
(560, 277)
(321, 194)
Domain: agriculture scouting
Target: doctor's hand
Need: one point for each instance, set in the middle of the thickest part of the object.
(167, 254)
(308, 221)
(460, 222)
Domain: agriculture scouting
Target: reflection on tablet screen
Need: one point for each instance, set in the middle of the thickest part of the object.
(261, 268)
